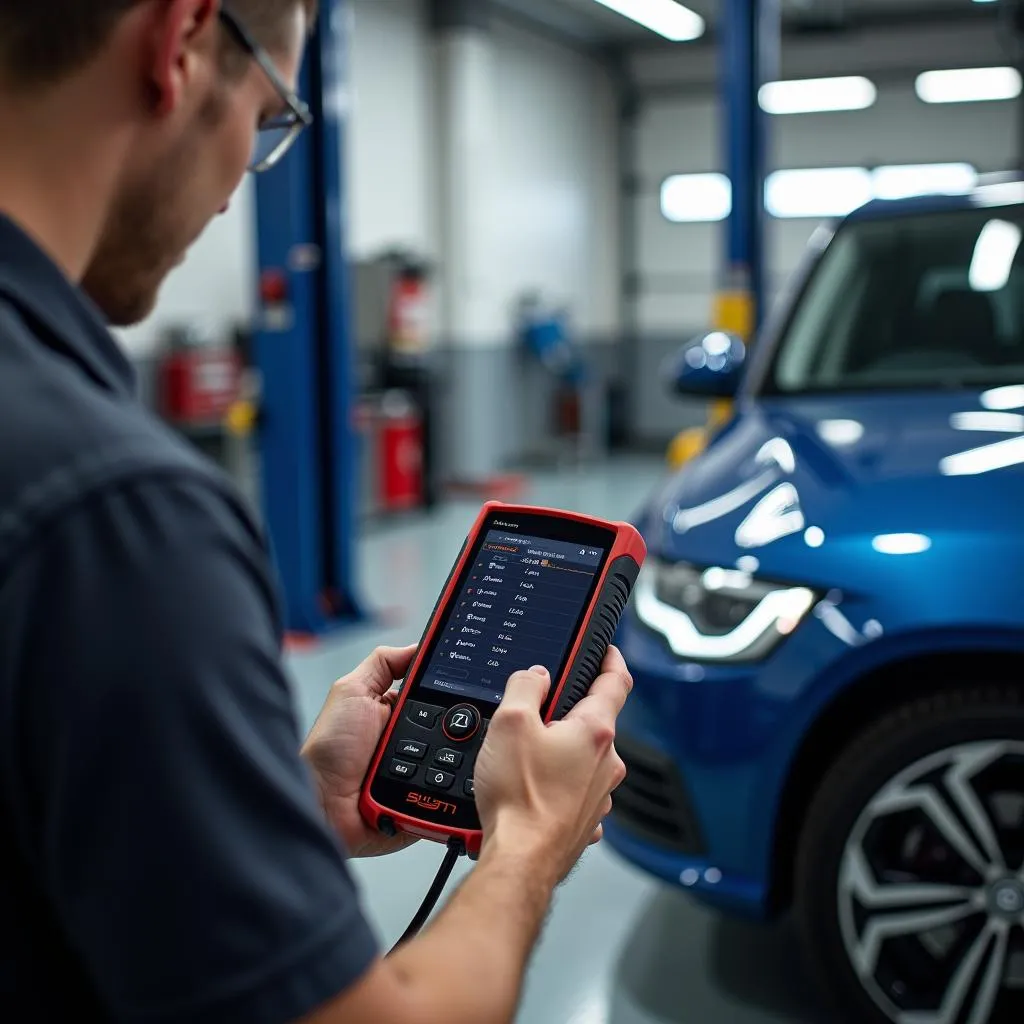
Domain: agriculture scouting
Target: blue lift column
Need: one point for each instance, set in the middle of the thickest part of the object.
(304, 351)
(751, 43)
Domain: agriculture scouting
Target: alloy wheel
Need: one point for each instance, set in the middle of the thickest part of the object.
(931, 888)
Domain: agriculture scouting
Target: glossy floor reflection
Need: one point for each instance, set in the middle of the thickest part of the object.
(618, 948)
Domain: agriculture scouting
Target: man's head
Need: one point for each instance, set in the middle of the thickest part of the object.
(191, 95)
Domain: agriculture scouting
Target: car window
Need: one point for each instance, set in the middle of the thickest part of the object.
(927, 301)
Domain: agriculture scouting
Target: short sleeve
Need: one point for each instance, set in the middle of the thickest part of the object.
(157, 790)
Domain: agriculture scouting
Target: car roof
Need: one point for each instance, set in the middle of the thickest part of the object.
(991, 191)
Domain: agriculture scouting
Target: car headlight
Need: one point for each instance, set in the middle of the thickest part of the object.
(718, 614)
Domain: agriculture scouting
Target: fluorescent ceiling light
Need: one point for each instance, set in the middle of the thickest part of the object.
(994, 256)
(905, 180)
(666, 17)
(813, 95)
(696, 198)
(825, 192)
(814, 192)
(969, 85)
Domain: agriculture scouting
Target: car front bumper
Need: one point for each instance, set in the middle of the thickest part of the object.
(708, 750)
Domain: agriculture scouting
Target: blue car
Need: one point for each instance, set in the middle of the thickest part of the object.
(828, 640)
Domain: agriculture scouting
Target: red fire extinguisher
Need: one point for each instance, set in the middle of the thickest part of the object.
(198, 382)
(401, 454)
(409, 311)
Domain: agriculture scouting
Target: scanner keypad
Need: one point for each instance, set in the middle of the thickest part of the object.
(423, 748)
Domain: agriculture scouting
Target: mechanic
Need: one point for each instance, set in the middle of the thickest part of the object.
(169, 849)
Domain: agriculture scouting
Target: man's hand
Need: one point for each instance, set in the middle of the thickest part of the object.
(343, 741)
(542, 790)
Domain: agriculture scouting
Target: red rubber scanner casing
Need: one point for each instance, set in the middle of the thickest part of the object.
(610, 595)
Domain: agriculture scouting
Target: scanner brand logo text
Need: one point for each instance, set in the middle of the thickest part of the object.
(431, 803)
(508, 526)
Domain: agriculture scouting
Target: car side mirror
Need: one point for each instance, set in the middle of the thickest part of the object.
(710, 366)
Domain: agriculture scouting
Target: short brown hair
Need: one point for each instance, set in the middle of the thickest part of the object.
(42, 41)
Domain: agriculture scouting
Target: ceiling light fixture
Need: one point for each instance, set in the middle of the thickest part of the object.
(696, 198)
(814, 95)
(904, 180)
(969, 85)
(818, 192)
(669, 19)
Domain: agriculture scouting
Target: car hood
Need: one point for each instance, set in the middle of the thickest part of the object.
(787, 474)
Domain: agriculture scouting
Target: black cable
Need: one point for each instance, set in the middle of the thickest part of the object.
(444, 872)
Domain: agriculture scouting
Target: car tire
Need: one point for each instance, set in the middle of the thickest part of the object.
(905, 899)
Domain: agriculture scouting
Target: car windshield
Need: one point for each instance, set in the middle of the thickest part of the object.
(914, 302)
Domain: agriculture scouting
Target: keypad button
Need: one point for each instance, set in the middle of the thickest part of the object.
(461, 722)
(424, 715)
(468, 788)
(448, 759)
(402, 769)
(437, 779)
(413, 749)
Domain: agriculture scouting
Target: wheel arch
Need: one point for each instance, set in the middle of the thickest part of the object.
(844, 718)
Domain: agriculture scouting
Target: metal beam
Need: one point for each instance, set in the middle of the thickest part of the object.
(795, 30)
(448, 15)
(750, 57)
(304, 348)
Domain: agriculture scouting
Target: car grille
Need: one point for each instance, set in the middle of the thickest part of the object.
(652, 803)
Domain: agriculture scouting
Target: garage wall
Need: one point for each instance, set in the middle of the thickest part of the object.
(555, 215)
(391, 163)
(677, 132)
(556, 206)
(392, 156)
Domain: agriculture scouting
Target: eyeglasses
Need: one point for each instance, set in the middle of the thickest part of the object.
(278, 135)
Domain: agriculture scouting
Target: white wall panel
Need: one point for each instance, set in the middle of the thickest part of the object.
(680, 136)
(556, 204)
(895, 49)
(392, 158)
(555, 214)
(899, 129)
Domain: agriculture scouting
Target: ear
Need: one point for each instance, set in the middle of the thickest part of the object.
(182, 34)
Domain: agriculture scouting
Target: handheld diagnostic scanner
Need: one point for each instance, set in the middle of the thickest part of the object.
(531, 587)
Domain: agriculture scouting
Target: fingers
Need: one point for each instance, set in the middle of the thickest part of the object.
(384, 666)
(608, 695)
(606, 809)
(614, 662)
(527, 691)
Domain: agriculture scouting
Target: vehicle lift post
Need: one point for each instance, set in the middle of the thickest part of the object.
(751, 45)
(303, 350)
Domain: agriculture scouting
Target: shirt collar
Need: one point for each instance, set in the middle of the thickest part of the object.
(60, 315)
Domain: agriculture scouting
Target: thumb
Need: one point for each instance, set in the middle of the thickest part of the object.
(384, 666)
(528, 689)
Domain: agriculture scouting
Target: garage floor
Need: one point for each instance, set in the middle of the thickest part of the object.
(628, 950)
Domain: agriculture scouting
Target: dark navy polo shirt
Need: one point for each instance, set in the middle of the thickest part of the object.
(163, 856)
